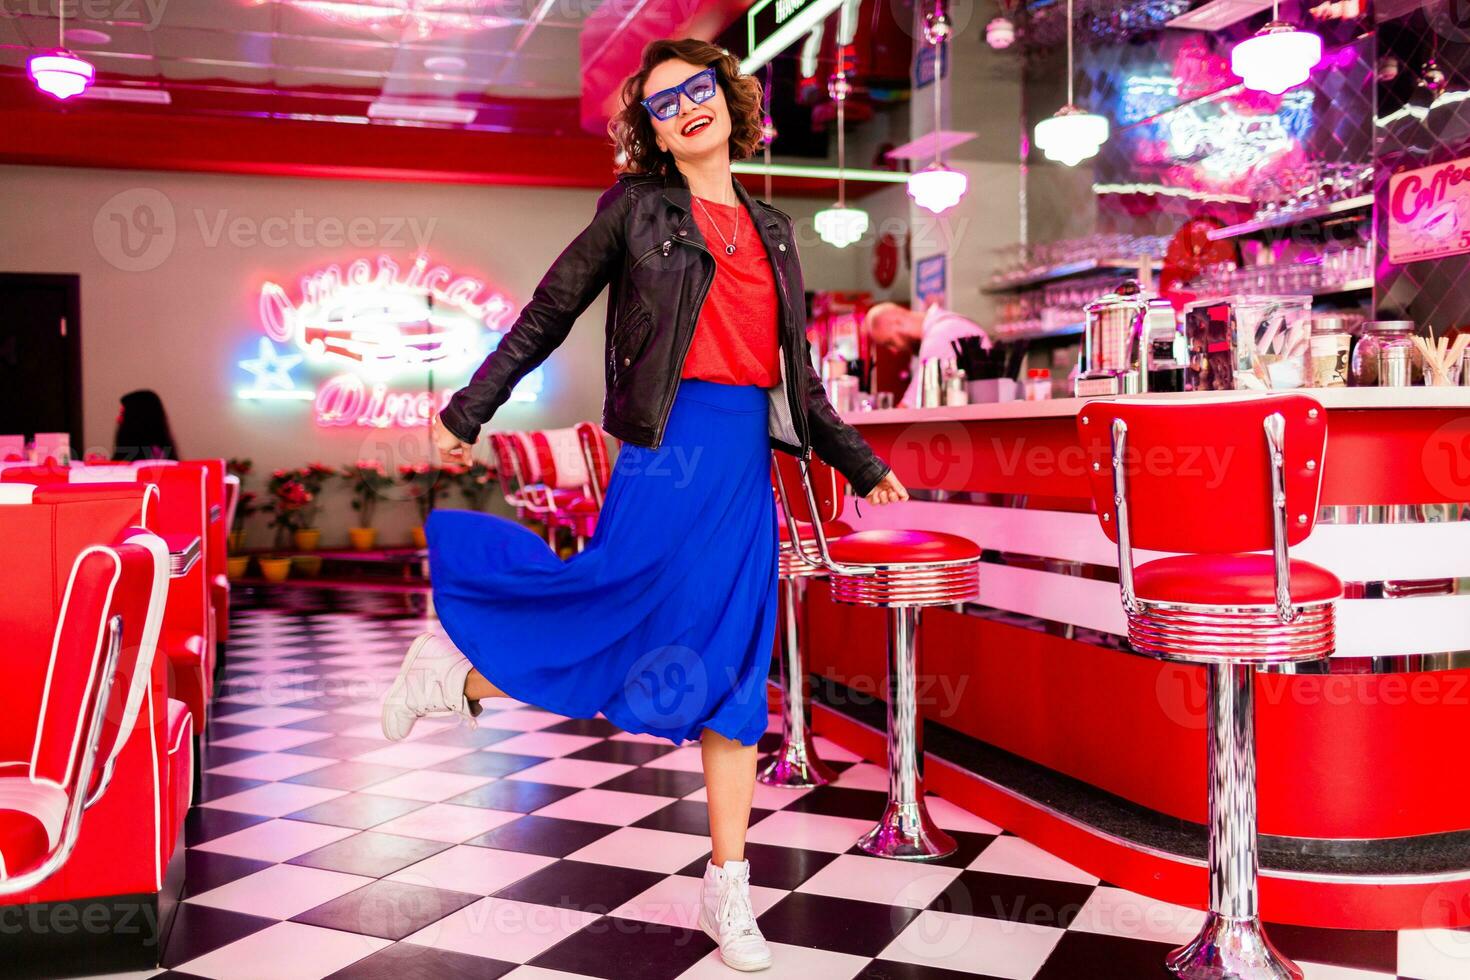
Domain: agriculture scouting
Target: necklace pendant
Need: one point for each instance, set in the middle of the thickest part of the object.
(729, 249)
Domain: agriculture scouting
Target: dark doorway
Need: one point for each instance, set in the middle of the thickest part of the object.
(41, 355)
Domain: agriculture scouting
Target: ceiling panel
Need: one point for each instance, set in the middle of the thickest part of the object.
(334, 58)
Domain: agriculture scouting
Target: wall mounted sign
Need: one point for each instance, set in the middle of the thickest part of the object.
(772, 26)
(1429, 212)
(379, 345)
(931, 281)
(924, 65)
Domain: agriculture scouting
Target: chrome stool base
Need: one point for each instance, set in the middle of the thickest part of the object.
(1232, 945)
(1231, 949)
(906, 832)
(794, 765)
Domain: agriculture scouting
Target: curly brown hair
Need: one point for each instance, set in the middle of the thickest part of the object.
(632, 129)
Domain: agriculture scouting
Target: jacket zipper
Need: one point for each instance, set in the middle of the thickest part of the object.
(664, 248)
(684, 352)
(802, 432)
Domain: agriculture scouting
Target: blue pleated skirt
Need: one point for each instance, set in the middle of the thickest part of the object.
(664, 624)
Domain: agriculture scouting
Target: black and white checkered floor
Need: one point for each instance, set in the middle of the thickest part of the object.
(539, 847)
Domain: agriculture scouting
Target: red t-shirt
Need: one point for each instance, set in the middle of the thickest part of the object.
(735, 338)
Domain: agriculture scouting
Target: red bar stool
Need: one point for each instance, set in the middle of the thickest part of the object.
(1219, 481)
(795, 764)
(901, 571)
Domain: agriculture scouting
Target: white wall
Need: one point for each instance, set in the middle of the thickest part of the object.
(181, 325)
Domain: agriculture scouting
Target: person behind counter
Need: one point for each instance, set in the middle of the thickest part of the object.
(922, 335)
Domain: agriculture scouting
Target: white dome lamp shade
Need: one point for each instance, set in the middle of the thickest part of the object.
(1072, 134)
(840, 225)
(58, 72)
(937, 188)
(1276, 58)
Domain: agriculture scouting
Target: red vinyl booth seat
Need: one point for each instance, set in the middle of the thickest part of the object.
(78, 556)
(180, 514)
(217, 518)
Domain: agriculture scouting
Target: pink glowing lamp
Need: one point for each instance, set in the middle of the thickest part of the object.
(58, 72)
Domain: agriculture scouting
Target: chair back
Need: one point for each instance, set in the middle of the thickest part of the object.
(184, 513)
(216, 538)
(507, 466)
(80, 557)
(826, 484)
(594, 456)
(13, 447)
(52, 445)
(563, 465)
(1201, 477)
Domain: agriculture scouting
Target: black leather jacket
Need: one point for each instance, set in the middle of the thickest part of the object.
(646, 246)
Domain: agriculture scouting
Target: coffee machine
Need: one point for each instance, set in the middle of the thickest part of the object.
(1132, 343)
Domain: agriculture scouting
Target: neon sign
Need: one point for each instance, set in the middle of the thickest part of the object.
(363, 326)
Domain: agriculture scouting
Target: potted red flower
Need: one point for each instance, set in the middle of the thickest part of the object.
(368, 479)
(422, 481)
(312, 476)
(289, 500)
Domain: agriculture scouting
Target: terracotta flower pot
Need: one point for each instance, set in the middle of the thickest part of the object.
(363, 538)
(419, 541)
(310, 566)
(275, 569)
(237, 541)
(307, 539)
(236, 566)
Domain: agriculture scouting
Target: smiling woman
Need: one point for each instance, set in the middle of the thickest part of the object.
(669, 63)
(664, 623)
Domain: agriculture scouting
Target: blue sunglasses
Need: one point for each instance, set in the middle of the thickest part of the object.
(700, 88)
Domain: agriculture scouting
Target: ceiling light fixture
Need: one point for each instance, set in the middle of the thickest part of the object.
(841, 225)
(58, 72)
(937, 188)
(1277, 58)
(1072, 134)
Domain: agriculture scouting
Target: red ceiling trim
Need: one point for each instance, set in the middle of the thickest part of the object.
(105, 136)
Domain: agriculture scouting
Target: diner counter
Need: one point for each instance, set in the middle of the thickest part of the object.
(1411, 397)
(1050, 725)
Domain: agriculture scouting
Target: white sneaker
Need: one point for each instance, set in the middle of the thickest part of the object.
(726, 916)
(430, 682)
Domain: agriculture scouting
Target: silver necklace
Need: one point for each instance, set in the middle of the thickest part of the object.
(734, 232)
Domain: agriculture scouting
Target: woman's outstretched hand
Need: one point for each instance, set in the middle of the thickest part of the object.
(450, 446)
(888, 491)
